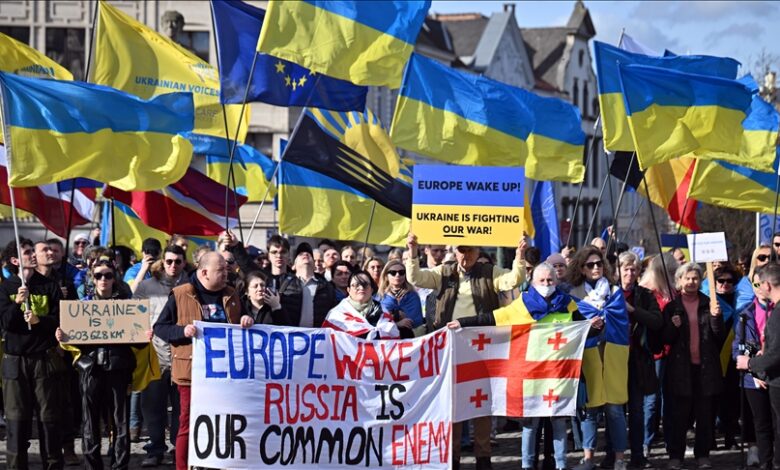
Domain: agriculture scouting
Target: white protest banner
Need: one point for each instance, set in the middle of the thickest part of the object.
(317, 398)
(707, 247)
(105, 321)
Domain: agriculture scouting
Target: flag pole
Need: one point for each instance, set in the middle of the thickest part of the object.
(633, 218)
(620, 201)
(7, 138)
(231, 147)
(281, 158)
(658, 239)
(113, 223)
(587, 165)
(777, 193)
(596, 209)
(368, 232)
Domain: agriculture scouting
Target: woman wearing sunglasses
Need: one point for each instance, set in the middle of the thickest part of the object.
(106, 372)
(399, 298)
(694, 331)
(359, 314)
(749, 340)
(590, 276)
(761, 257)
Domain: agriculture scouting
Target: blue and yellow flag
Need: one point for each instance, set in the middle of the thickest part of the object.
(274, 81)
(727, 185)
(57, 130)
(545, 219)
(21, 59)
(472, 120)
(314, 205)
(672, 113)
(366, 43)
(353, 148)
(252, 169)
(605, 360)
(617, 136)
(134, 58)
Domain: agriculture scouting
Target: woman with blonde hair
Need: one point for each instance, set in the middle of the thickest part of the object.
(654, 280)
(373, 266)
(399, 298)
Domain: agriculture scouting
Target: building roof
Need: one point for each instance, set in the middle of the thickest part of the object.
(545, 48)
(465, 30)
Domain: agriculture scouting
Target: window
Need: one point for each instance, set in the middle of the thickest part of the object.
(197, 42)
(582, 58)
(585, 101)
(20, 33)
(66, 47)
(575, 93)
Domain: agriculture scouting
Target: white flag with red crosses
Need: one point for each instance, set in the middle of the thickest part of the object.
(522, 371)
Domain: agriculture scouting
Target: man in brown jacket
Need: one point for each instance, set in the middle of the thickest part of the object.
(207, 297)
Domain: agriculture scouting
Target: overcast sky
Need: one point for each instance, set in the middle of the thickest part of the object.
(741, 30)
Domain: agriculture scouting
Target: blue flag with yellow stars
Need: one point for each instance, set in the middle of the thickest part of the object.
(274, 81)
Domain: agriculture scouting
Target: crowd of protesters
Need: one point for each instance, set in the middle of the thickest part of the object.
(694, 363)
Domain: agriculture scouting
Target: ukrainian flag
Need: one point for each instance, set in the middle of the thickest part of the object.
(57, 130)
(472, 120)
(366, 43)
(252, 169)
(314, 205)
(605, 360)
(727, 185)
(21, 59)
(672, 113)
(134, 58)
(614, 123)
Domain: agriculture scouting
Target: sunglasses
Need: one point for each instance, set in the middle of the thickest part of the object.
(82, 242)
(777, 244)
(594, 264)
(396, 273)
(762, 258)
(357, 284)
(725, 281)
(757, 284)
(176, 261)
(100, 276)
(277, 252)
(230, 261)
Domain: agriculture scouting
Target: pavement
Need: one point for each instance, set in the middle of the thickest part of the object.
(506, 455)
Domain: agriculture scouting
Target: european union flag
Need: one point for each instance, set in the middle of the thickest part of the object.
(545, 218)
(274, 81)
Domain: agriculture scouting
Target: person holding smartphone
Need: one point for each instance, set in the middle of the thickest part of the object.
(151, 249)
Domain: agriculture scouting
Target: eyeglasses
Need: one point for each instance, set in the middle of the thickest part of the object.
(176, 261)
(100, 276)
(762, 258)
(725, 281)
(396, 273)
(358, 284)
(84, 242)
(594, 264)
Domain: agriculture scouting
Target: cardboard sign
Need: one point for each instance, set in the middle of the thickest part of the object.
(105, 321)
(707, 247)
(467, 205)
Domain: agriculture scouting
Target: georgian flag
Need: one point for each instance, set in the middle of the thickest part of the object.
(521, 371)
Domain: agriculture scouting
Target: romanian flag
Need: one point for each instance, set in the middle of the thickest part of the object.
(134, 58)
(673, 113)
(194, 205)
(366, 43)
(727, 185)
(617, 135)
(58, 130)
(667, 185)
(605, 360)
(315, 205)
(274, 81)
(472, 120)
(353, 148)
